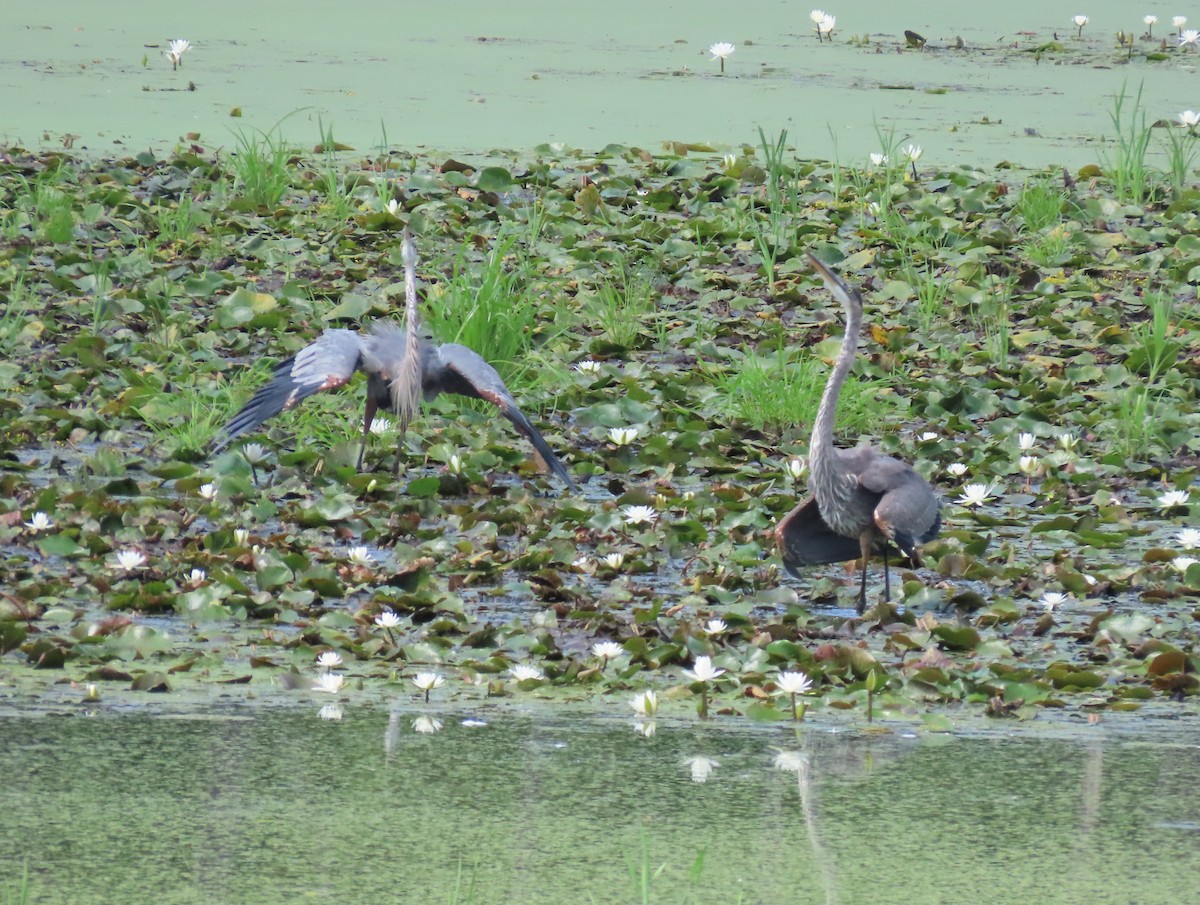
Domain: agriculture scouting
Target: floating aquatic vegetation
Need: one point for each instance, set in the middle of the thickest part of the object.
(1006, 312)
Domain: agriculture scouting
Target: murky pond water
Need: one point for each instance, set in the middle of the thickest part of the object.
(508, 75)
(282, 806)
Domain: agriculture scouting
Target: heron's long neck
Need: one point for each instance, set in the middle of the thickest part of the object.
(821, 450)
(406, 386)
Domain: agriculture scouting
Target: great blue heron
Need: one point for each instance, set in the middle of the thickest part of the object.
(396, 375)
(862, 501)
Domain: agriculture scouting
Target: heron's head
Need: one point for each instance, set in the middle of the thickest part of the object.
(850, 298)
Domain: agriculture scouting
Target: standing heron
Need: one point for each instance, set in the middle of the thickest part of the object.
(401, 366)
(862, 501)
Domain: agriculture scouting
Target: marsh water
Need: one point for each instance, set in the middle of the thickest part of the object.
(266, 805)
(485, 75)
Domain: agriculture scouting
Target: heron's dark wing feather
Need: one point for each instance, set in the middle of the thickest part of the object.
(464, 372)
(804, 539)
(907, 510)
(327, 362)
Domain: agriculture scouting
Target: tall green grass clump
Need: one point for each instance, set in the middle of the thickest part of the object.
(1126, 165)
(261, 167)
(774, 392)
(491, 308)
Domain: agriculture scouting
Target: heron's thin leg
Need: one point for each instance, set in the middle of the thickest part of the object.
(887, 583)
(399, 451)
(864, 543)
(368, 420)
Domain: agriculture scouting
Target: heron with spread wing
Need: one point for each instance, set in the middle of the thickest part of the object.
(401, 367)
(863, 502)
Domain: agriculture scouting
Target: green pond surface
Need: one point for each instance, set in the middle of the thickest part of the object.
(486, 75)
(268, 805)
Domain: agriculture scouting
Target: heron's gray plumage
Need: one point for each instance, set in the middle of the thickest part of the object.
(401, 367)
(863, 502)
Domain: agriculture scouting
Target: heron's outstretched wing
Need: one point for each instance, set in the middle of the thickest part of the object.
(464, 372)
(327, 362)
(804, 539)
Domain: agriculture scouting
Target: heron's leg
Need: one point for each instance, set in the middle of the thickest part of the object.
(865, 545)
(887, 582)
(368, 420)
(400, 444)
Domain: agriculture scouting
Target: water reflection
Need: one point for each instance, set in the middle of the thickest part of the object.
(275, 806)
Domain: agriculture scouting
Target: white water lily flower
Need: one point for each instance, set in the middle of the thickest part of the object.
(878, 159)
(208, 491)
(913, 152)
(1029, 465)
(197, 577)
(523, 672)
(607, 650)
(1188, 538)
(241, 536)
(1173, 498)
(387, 619)
(1179, 21)
(130, 560)
(701, 767)
(588, 367)
(427, 725)
(974, 495)
(825, 26)
(704, 671)
(393, 207)
(381, 426)
(796, 468)
(427, 681)
(956, 469)
(330, 681)
(729, 161)
(1189, 119)
(1026, 441)
(360, 556)
(794, 683)
(646, 703)
(927, 437)
(175, 51)
(614, 560)
(639, 515)
(329, 659)
(1150, 20)
(817, 15)
(1191, 36)
(623, 436)
(455, 465)
(715, 626)
(39, 521)
(722, 50)
(1051, 599)
(1080, 21)
(254, 453)
(1182, 563)
(1068, 441)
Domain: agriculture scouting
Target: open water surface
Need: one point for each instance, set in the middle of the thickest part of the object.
(278, 805)
(476, 75)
